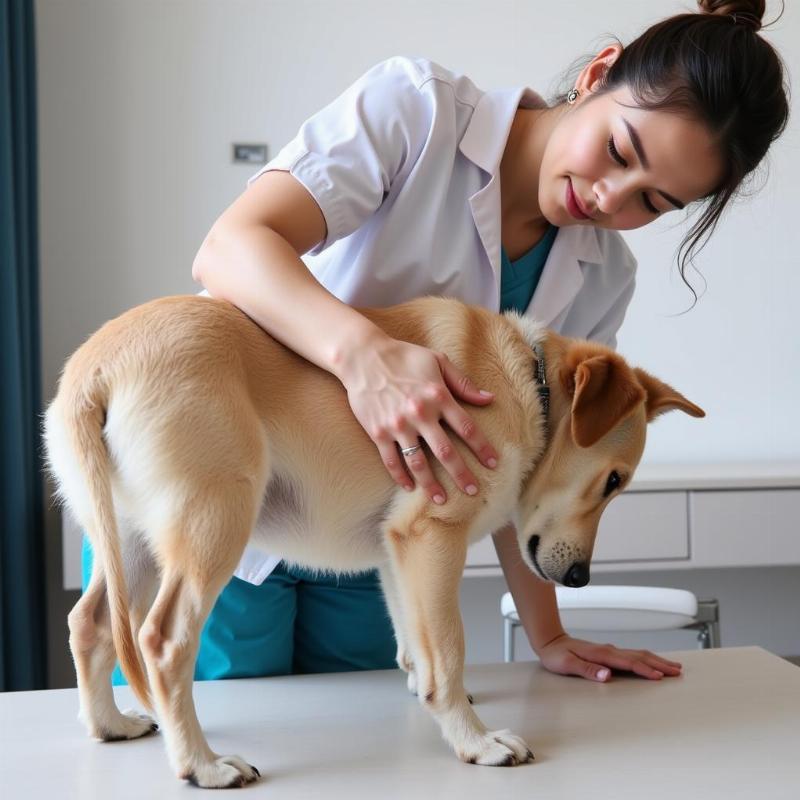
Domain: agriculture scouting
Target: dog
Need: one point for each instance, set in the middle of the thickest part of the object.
(181, 431)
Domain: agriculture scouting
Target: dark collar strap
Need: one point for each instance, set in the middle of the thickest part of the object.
(541, 379)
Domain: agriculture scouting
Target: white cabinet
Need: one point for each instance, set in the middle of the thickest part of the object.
(755, 528)
(684, 517)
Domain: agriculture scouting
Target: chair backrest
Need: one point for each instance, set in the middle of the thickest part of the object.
(625, 608)
(618, 608)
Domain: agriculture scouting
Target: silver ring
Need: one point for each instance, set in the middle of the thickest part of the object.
(409, 451)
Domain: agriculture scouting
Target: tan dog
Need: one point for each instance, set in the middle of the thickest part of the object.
(181, 431)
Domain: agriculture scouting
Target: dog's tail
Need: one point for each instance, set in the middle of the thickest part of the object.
(84, 411)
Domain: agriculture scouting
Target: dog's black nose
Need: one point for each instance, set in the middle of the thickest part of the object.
(577, 575)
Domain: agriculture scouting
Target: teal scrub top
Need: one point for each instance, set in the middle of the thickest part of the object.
(519, 279)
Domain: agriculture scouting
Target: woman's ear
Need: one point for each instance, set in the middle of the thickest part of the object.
(593, 75)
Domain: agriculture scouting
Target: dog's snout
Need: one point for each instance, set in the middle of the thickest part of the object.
(577, 575)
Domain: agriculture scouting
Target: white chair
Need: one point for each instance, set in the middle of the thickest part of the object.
(624, 608)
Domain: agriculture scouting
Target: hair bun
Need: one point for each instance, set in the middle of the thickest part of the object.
(742, 12)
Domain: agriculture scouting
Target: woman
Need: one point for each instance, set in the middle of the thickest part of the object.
(416, 182)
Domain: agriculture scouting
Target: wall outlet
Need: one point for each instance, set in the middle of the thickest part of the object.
(250, 153)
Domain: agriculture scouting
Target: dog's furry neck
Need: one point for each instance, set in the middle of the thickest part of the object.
(531, 330)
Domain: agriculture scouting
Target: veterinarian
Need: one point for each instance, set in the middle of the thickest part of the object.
(416, 182)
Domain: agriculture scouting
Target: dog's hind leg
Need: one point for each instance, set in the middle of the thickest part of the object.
(427, 559)
(93, 649)
(198, 555)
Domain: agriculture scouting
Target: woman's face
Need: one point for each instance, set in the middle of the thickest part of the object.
(612, 164)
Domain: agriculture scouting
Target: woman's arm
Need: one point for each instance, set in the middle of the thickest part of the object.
(398, 391)
(538, 612)
(534, 598)
(251, 257)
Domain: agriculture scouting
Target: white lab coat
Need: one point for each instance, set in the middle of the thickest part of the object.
(405, 168)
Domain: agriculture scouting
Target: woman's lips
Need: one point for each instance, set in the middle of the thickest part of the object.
(572, 203)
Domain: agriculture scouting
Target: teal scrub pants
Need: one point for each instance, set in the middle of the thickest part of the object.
(292, 623)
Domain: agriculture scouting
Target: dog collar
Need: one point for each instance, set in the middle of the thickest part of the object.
(541, 382)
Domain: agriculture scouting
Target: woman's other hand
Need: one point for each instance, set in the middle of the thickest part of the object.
(567, 656)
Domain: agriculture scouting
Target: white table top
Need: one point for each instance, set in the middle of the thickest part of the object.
(728, 728)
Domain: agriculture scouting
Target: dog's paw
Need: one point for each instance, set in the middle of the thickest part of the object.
(496, 749)
(130, 724)
(225, 772)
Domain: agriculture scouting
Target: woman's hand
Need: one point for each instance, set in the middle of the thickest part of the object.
(568, 656)
(401, 393)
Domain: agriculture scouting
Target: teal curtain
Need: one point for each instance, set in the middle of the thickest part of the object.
(22, 563)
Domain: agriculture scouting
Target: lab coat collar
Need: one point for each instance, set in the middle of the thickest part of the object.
(562, 277)
(485, 139)
(483, 143)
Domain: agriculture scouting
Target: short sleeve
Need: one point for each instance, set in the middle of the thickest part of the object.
(348, 154)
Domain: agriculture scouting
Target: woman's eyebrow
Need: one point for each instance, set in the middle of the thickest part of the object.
(637, 146)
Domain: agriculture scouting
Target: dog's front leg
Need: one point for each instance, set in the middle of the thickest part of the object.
(393, 602)
(427, 560)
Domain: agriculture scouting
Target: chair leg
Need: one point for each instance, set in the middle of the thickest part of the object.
(508, 641)
(713, 630)
(707, 623)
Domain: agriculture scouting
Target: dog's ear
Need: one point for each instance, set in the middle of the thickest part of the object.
(604, 391)
(662, 398)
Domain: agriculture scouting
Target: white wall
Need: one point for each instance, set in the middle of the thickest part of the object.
(140, 100)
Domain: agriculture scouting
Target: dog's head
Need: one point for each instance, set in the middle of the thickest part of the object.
(600, 408)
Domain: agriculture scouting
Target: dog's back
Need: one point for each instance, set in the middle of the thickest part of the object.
(188, 391)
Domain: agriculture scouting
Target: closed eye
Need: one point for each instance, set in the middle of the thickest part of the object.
(648, 205)
(614, 153)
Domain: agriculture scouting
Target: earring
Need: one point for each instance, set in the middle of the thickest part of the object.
(572, 96)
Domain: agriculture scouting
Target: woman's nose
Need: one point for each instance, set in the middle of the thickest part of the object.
(609, 197)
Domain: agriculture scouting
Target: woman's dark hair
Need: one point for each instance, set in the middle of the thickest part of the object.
(715, 68)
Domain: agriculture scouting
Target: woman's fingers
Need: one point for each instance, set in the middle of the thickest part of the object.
(392, 460)
(462, 424)
(400, 395)
(448, 456)
(422, 473)
(412, 457)
(462, 387)
(424, 416)
(662, 664)
(640, 662)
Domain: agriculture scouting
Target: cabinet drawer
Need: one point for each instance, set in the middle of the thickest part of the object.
(644, 526)
(745, 528)
(637, 526)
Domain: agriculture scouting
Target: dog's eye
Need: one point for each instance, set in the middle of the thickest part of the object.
(613, 483)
